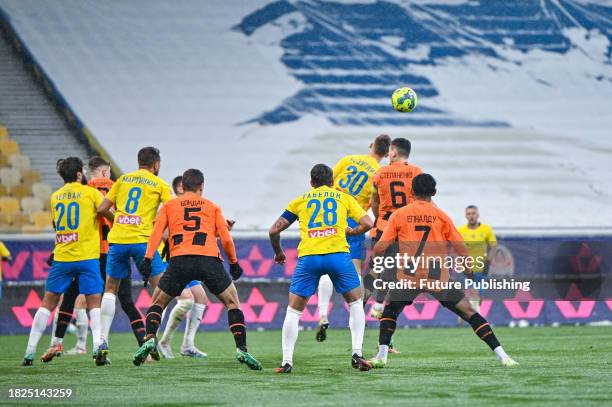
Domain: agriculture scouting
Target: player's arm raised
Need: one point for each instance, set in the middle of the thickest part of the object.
(282, 223)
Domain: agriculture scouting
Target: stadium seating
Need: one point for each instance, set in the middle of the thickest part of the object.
(287, 84)
(23, 198)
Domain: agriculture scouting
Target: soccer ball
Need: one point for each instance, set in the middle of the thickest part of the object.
(404, 99)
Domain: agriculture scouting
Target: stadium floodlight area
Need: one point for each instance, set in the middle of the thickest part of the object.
(254, 92)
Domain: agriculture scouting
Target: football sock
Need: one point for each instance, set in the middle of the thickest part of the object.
(235, 320)
(82, 323)
(357, 325)
(177, 315)
(482, 328)
(193, 323)
(54, 325)
(107, 313)
(153, 319)
(326, 289)
(138, 327)
(388, 322)
(63, 320)
(500, 353)
(94, 317)
(127, 304)
(38, 327)
(383, 351)
(290, 334)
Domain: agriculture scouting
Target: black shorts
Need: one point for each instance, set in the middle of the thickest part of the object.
(183, 269)
(448, 298)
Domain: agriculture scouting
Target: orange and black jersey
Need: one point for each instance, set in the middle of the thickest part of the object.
(393, 184)
(103, 185)
(423, 229)
(193, 223)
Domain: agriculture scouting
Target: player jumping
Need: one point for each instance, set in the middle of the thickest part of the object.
(392, 186)
(193, 224)
(352, 175)
(75, 208)
(136, 197)
(422, 229)
(322, 213)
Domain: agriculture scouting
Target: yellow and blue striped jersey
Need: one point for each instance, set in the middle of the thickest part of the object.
(323, 214)
(136, 197)
(75, 215)
(353, 175)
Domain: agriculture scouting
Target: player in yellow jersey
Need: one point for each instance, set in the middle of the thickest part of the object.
(353, 175)
(323, 214)
(136, 197)
(480, 240)
(75, 208)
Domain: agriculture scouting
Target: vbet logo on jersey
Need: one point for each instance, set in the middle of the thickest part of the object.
(66, 237)
(129, 220)
(327, 232)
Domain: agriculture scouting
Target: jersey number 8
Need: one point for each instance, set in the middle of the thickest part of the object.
(134, 195)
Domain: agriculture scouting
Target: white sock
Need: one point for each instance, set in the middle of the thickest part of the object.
(500, 353)
(107, 313)
(326, 289)
(54, 325)
(357, 325)
(290, 334)
(56, 341)
(95, 319)
(193, 323)
(38, 328)
(383, 351)
(177, 315)
(82, 323)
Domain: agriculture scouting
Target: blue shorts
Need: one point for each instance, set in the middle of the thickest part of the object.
(119, 255)
(356, 243)
(87, 272)
(192, 283)
(309, 270)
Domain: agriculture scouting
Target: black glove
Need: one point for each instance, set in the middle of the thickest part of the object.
(50, 260)
(235, 271)
(145, 269)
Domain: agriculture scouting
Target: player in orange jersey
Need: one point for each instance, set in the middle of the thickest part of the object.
(191, 304)
(425, 233)
(193, 224)
(392, 186)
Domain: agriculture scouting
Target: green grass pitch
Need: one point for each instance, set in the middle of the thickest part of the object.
(438, 367)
